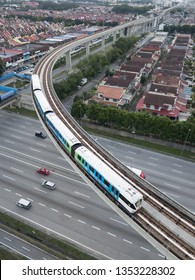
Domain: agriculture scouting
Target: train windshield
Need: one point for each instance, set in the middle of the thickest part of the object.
(138, 203)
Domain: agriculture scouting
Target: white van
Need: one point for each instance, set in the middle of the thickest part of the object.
(24, 203)
(49, 185)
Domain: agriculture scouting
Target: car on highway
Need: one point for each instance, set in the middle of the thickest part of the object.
(40, 135)
(24, 203)
(43, 171)
(48, 185)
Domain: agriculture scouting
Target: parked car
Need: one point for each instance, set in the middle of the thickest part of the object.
(40, 135)
(24, 203)
(48, 185)
(43, 171)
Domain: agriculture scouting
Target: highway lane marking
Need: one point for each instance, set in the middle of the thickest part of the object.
(18, 137)
(127, 241)
(41, 204)
(161, 256)
(67, 215)
(17, 169)
(176, 171)
(129, 157)
(171, 194)
(130, 152)
(14, 119)
(61, 158)
(22, 126)
(95, 227)
(76, 204)
(145, 249)
(42, 145)
(118, 222)
(39, 190)
(55, 210)
(26, 249)
(153, 158)
(9, 141)
(172, 186)
(18, 194)
(21, 253)
(28, 123)
(82, 194)
(82, 222)
(177, 165)
(111, 234)
(150, 163)
(30, 199)
(32, 149)
(7, 238)
(9, 177)
(7, 190)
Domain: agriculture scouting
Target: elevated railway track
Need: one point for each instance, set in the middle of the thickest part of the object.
(174, 227)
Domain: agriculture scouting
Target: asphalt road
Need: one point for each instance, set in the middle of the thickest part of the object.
(72, 211)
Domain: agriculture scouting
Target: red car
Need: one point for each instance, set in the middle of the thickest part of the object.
(43, 171)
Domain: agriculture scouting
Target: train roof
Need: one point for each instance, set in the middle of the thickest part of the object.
(35, 81)
(62, 129)
(110, 175)
(43, 101)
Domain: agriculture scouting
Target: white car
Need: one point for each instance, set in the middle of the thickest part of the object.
(24, 203)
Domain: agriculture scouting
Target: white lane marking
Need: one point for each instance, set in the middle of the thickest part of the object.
(76, 204)
(35, 150)
(129, 157)
(30, 199)
(177, 165)
(55, 210)
(82, 194)
(7, 190)
(150, 163)
(176, 171)
(154, 158)
(28, 123)
(130, 152)
(111, 234)
(127, 241)
(171, 194)
(42, 204)
(61, 158)
(161, 256)
(39, 190)
(96, 227)
(9, 177)
(110, 146)
(67, 215)
(14, 119)
(145, 249)
(9, 141)
(118, 222)
(82, 222)
(42, 145)
(17, 169)
(172, 186)
(16, 136)
(22, 126)
(7, 238)
(25, 248)
(18, 194)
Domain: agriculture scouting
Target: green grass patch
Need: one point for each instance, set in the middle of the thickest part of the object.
(22, 111)
(55, 246)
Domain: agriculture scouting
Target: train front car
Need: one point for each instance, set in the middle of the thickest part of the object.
(118, 189)
(62, 133)
(39, 97)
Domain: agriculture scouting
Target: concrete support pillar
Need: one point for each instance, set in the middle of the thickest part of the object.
(103, 42)
(68, 61)
(114, 36)
(87, 49)
(122, 33)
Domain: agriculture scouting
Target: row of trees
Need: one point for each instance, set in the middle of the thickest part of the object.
(92, 65)
(142, 123)
(126, 9)
(187, 29)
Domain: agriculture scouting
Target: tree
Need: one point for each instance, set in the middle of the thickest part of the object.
(2, 66)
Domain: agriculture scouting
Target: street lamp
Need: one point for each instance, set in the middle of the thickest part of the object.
(184, 144)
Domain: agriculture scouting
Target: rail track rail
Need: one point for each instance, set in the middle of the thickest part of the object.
(181, 217)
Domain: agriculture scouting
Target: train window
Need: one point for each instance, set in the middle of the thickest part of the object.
(96, 174)
(79, 157)
(83, 161)
(127, 202)
(100, 177)
(67, 145)
(117, 193)
(112, 189)
(106, 183)
(91, 168)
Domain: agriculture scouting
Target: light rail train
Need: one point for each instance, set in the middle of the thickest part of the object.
(117, 188)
